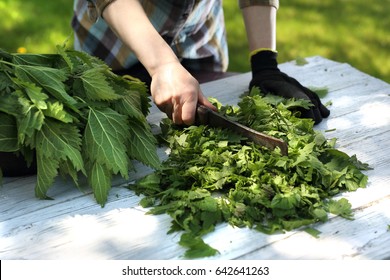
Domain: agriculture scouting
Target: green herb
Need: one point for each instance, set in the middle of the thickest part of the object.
(313, 232)
(213, 176)
(196, 246)
(340, 207)
(300, 61)
(76, 116)
(320, 91)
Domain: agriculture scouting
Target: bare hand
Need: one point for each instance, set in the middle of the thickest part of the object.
(176, 92)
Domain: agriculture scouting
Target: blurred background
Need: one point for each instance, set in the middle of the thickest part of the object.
(352, 31)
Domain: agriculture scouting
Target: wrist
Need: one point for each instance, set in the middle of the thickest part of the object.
(263, 59)
(159, 59)
(256, 51)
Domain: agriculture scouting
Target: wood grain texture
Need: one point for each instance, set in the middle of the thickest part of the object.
(73, 226)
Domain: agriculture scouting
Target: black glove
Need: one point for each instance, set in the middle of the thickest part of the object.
(269, 79)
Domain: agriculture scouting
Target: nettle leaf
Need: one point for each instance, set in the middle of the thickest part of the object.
(96, 86)
(100, 180)
(50, 79)
(56, 111)
(197, 248)
(285, 201)
(34, 93)
(8, 133)
(6, 83)
(29, 121)
(136, 86)
(60, 141)
(313, 232)
(142, 144)
(130, 105)
(10, 103)
(56, 143)
(65, 56)
(105, 138)
(340, 207)
(47, 170)
(46, 60)
(5, 55)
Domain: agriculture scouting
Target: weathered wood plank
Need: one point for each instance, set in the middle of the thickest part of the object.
(366, 237)
(73, 226)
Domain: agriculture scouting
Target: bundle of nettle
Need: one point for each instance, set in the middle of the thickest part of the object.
(68, 113)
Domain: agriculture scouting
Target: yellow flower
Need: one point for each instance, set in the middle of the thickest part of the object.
(21, 50)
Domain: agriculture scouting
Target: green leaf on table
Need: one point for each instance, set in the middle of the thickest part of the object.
(8, 133)
(46, 60)
(10, 103)
(56, 111)
(340, 207)
(47, 170)
(100, 180)
(300, 61)
(142, 144)
(96, 86)
(196, 247)
(320, 91)
(105, 138)
(130, 105)
(65, 56)
(34, 93)
(30, 120)
(61, 141)
(6, 83)
(56, 142)
(50, 79)
(313, 232)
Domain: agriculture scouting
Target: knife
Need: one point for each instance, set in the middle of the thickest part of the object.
(206, 116)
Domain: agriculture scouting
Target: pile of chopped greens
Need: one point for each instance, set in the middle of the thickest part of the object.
(71, 113)
(213, 176)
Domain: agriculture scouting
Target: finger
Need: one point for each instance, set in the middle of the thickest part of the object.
(188, 112)
(204, 101)
(177, 113)
(317, 115)
(322, 110)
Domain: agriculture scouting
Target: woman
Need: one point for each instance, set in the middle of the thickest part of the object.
(163, 41)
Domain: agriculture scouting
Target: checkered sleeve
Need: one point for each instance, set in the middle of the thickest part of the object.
(100, 5)
(247, 3)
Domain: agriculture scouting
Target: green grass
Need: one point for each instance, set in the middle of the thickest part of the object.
(352, 31)
(37, 25)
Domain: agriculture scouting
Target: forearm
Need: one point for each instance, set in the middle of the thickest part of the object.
(260, 25)
(129, 21)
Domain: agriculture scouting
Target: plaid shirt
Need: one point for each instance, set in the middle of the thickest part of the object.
(194, 29)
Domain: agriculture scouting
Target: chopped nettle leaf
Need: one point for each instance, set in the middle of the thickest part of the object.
(300, 61)
(340, 207)
(76, 116)
(313, 232)
(213, 176)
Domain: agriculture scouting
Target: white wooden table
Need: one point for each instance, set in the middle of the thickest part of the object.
(74, 226)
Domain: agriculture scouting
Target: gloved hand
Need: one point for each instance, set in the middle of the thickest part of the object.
(269, 79)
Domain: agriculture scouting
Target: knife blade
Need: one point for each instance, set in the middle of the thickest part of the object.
(206, 116)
